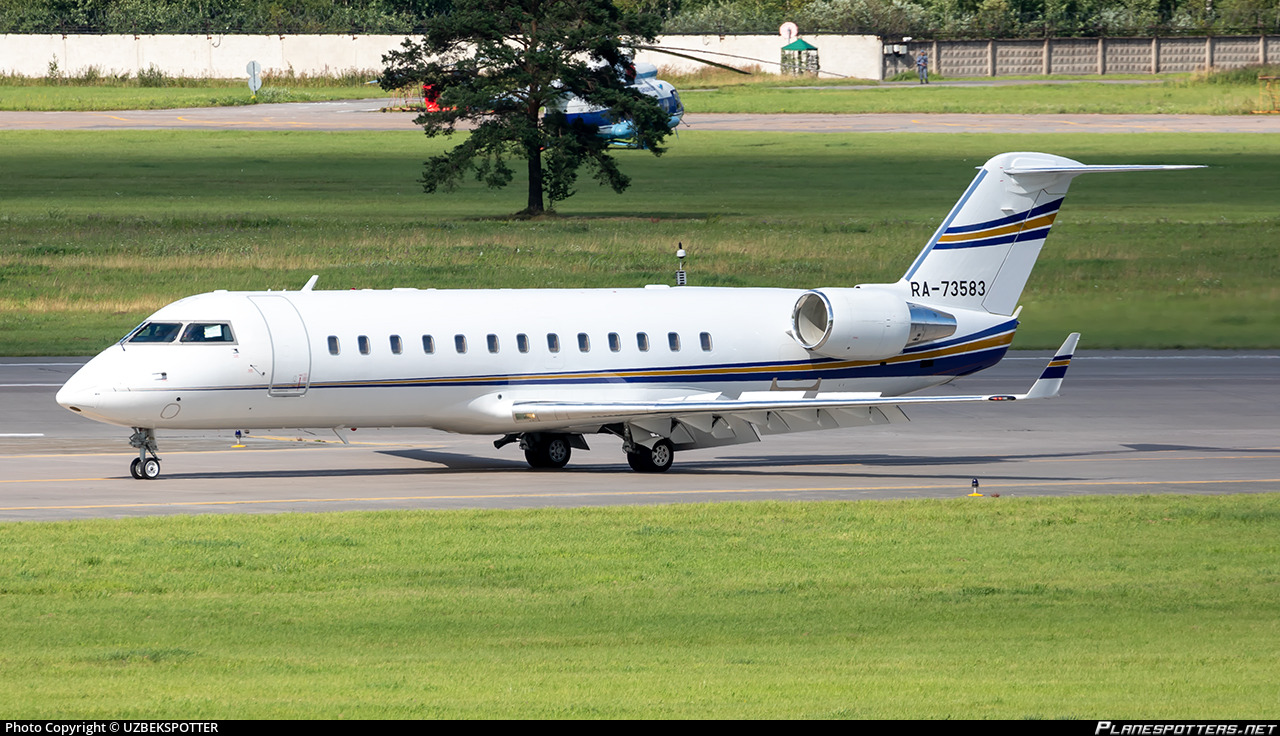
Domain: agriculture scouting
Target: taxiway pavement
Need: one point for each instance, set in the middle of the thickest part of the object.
(1164, 422)
(366, 115)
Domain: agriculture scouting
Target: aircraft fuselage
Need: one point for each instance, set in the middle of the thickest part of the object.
(457, 360)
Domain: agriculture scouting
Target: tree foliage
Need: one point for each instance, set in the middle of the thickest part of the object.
(980, 18)
(215, 16)
(925, 18)
(498, 65)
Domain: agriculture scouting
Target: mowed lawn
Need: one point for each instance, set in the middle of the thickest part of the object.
(98, 229)
(1107, 607)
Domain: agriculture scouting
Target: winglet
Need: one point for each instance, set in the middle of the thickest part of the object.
(1050, 381)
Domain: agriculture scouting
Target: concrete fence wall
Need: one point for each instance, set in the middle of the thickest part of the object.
(1086, 55)
(861, 57)
(219, 56)
(225, 56)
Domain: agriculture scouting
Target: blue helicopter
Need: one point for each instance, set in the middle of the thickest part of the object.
(622, 133)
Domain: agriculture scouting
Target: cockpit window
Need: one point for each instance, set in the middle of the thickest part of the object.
(208, 332)
(156, 332)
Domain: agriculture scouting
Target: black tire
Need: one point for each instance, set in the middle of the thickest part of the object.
(533, 457)
(656, 460)
(639, 461)
(135, 469)
(551, 452)
(151, 469)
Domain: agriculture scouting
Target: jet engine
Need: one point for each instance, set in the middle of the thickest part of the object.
(864, 324)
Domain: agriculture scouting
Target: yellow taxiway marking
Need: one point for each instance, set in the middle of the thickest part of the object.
(294, 445)
(1159, 458)
(53, 480)
(596, 494)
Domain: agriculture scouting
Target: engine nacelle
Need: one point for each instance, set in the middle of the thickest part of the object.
(864, 324)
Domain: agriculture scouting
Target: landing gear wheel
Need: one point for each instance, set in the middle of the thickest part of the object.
(146, 466)
(637, 460)
(551, 452)
(661, 456)
(148, 469)
(655, 460)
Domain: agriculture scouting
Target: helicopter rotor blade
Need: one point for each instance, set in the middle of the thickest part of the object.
(700, 60)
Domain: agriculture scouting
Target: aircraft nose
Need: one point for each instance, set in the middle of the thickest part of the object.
(77, 396)
(84, 390)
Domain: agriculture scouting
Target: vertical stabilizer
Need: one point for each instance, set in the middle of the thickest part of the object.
(983, 253)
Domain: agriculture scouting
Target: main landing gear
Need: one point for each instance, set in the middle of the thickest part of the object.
(553, 450)
(146, 466)
(546, 450)
(656, 459)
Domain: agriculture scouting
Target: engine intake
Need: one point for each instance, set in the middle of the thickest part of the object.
(864, 324)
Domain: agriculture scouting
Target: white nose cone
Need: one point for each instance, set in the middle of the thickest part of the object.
(77, 396)
(84, 390)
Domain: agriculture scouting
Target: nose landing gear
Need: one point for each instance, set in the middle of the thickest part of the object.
(146, 466)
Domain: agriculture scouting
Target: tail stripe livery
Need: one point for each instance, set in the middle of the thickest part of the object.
(1033, 225)
(1044, 209)
(981, 256)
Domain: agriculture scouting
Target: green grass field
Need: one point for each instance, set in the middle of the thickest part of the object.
(1228, 92)
(135, 98)
(1085, 97)
(1231, 92)
(153, 90)
(1117, 607)
(100, 228)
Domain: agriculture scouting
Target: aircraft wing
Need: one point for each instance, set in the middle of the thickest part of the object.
(703, 420)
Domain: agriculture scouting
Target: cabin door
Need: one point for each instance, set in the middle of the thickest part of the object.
(291, 352)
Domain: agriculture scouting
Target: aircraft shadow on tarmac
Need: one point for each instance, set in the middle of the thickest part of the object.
(1198, 448)
(796, 465)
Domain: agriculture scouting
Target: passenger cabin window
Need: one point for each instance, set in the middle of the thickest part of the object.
(615, 342)
(642, 341)
(584, 342)
(706, 342)
(553, 342)
(397, 346)
(522, 342)
(208, 332)
(428, 344)
(460, 343)
(156, 332)
(673, 340)
(363, 343)
(333, 345)
(492, 340)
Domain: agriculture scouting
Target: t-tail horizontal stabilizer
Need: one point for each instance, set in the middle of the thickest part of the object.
(1050, 381)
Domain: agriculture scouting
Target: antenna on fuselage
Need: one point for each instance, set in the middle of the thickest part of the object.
(680, 276)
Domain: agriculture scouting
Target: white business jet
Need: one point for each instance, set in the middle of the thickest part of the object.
(663, 369)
